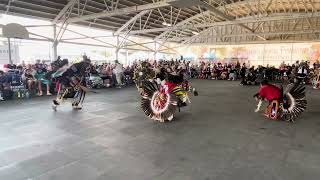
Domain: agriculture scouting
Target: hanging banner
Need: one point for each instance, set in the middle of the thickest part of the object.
(4, 54)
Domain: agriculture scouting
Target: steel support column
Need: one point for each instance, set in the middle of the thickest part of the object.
(117, 49)
(9, 51)
(127, 55)
(55, 44)
(155, 51)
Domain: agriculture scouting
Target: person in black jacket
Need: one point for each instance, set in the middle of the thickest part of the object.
(243, 74)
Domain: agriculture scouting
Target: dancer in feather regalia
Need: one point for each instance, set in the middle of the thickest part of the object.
(287, 105)
(157, 103)
(71, 82)
(143, 73)
(315, 78)
(161, 98)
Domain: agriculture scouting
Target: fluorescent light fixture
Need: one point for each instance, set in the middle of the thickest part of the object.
(166, 24)
(195, 33)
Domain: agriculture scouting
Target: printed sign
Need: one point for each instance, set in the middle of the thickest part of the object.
(4, 54)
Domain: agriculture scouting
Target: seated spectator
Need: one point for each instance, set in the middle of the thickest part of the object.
(4, 79)
(106, 75)
(214, 72)
(127, 71)
(224, 73)
(5, 91)
(29, 78)
(40, 76)
(232, 73)
(194, 71)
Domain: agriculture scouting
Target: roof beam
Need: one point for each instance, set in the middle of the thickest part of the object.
(138, 44)
(89, 44)
(177, 26)
(8, 6)
(63, 11)
(256, 42)
(227, 17)
(274, 17)
(312, 5)
(91, 37)
(142, 13)
(310, 31)
(169, 29)
(122, 11)
(33, 39)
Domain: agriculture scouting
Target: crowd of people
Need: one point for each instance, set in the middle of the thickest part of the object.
(300, 71)
(26, 80)
(253, 75)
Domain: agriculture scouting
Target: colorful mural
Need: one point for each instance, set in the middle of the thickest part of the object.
(257, 54)
(315, 52)
(209, 53)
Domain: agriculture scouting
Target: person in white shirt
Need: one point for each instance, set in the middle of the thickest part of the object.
(302, 73)
(118, 71)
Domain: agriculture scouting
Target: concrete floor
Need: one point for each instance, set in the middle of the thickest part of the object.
(217, 137)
